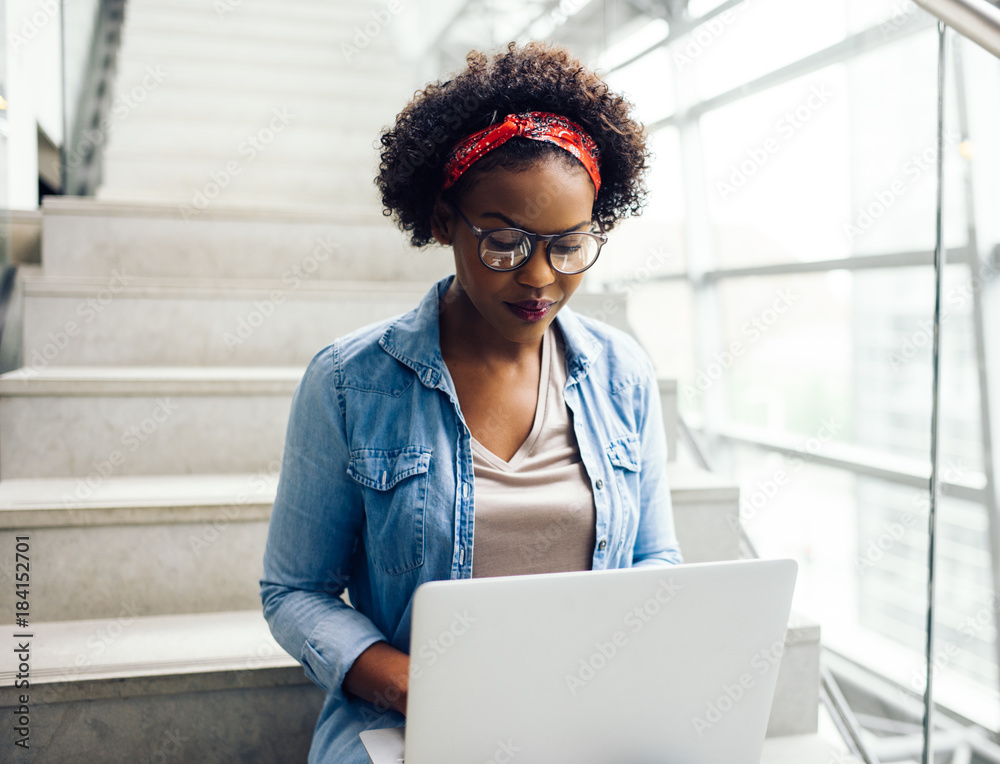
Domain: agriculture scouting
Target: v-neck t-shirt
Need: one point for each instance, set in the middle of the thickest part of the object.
(535, 513)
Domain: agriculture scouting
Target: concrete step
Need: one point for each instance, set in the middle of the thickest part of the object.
(213, 687)
(668, 393)
(706, 510)
(90, 237)
(102, 545)
(256, 177)
(71, 322)
(78, 421)
(93, 422)
(128, 534)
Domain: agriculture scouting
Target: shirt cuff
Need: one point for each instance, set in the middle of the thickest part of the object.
(334, 644)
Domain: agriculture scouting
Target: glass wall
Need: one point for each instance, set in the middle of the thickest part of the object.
(807, 229)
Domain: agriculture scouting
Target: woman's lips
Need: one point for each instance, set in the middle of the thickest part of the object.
(530, 310)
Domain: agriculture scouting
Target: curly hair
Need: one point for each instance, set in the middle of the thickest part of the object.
(533, 77)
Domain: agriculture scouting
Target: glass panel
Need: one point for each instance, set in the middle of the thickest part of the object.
(657, 313)
(647, 83)
(893, 336)
(785, 362)
(762, 35)
(800, 349)
(861, 544)
(893, 151)
(777, 171)
(651, 245)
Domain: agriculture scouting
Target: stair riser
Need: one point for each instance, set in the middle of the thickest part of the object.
(277, 327)
(90, 436)
(238, 178)
(265, 725)
(191, 109)
(199, 247)
(795, 710)
(311, 143)
(109, 571)
(707, 531)
(119, 571)
(253, 80)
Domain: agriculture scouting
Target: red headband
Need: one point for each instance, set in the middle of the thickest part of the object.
(536, 125)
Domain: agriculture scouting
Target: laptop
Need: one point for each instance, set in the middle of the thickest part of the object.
(639, 666)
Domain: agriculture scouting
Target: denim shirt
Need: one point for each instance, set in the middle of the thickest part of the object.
(376, 493)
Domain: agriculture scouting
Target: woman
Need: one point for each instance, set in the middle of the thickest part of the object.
(490, 431)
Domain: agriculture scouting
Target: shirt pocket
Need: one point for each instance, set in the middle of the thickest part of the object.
(625, 456)
(395, 497)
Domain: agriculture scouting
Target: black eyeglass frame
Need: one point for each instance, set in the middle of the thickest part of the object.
(533, 239)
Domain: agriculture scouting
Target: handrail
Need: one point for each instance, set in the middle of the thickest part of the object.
(978, 20)
(86, 137)
(7, 281)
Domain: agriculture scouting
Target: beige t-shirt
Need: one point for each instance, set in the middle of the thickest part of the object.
(535, 513)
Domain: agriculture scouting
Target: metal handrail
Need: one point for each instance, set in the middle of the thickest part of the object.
(978, 20)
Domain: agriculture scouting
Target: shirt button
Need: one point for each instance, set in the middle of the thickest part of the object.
(603, 545)
(599, 484)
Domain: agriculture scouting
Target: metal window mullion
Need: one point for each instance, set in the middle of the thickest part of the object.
(857, 466)
(990, 430)
(701, 252)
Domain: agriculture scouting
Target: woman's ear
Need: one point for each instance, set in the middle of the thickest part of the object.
(442, 220)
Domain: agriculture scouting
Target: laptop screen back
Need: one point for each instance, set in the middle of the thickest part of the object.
(659, 665)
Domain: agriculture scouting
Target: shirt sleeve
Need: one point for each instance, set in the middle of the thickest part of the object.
(656, 540)
(315, 525)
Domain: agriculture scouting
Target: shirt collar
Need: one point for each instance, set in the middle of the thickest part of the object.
(414, 339)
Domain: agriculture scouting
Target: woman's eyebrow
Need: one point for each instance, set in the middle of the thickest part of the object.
(500, 216)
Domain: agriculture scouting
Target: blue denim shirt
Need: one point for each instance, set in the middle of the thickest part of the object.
(376, 493)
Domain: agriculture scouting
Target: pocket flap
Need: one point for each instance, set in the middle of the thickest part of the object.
(381, 470)
(624, 453)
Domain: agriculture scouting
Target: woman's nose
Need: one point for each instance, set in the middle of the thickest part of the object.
(537, 272)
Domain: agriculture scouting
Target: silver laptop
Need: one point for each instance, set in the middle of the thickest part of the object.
(642, 665)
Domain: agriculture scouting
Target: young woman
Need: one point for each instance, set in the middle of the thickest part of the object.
(491, 430)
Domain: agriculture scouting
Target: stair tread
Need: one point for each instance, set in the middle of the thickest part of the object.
(348, 215)
(160, 498)
(691, 482)
(139, 492)
(803, 749)
(90, 381)
(135, 646)
(236, 289)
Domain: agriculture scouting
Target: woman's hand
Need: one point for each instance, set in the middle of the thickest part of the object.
(380, 675)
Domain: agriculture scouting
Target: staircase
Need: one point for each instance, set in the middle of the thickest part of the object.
(164, 333)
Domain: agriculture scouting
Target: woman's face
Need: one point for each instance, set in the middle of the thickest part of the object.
(552, 196)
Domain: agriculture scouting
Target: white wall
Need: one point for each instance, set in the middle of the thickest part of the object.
(34, 93)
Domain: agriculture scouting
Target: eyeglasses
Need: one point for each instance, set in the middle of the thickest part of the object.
(506, 249)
